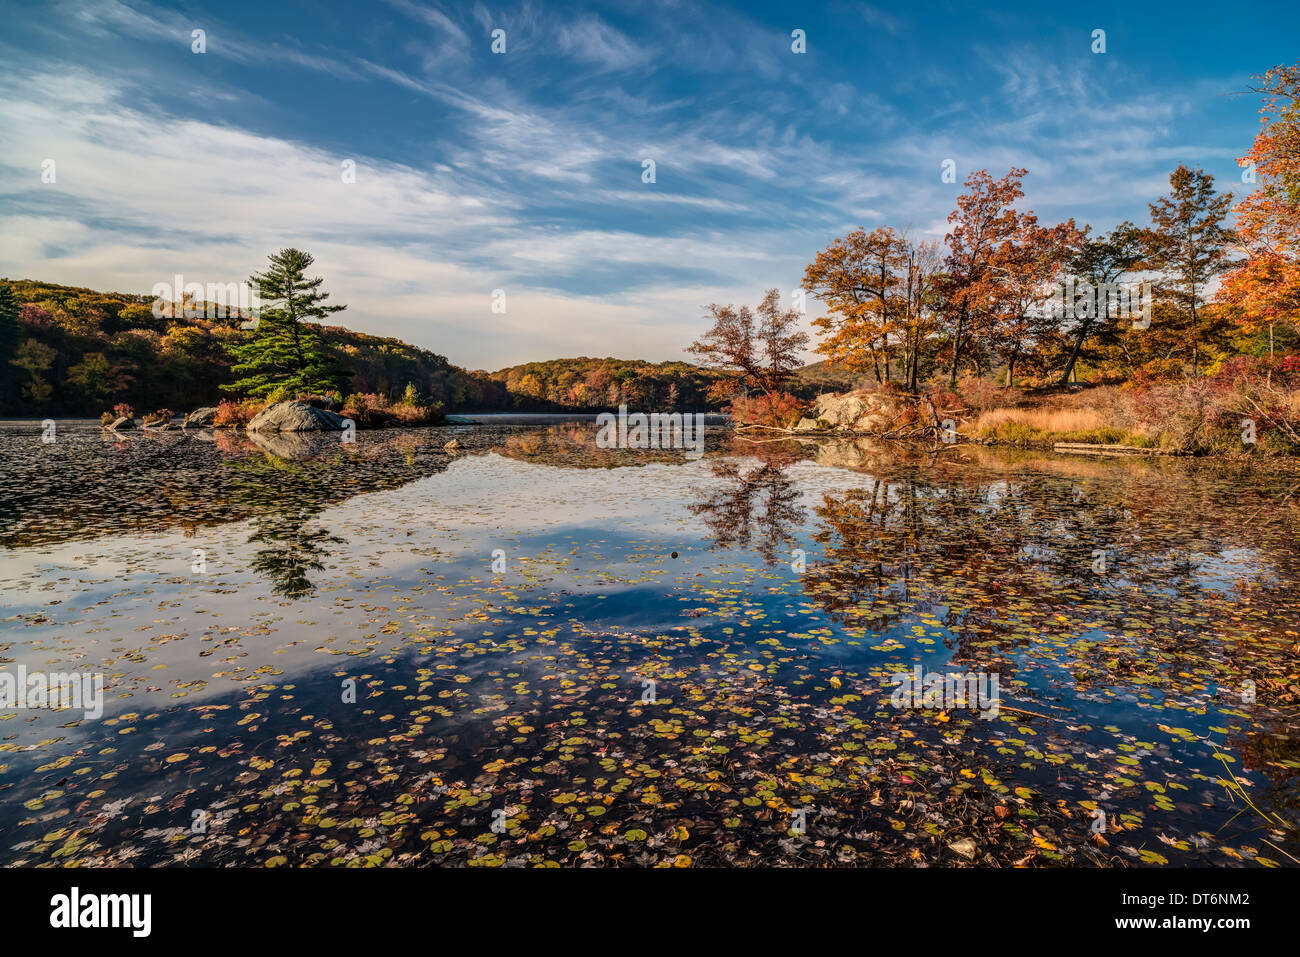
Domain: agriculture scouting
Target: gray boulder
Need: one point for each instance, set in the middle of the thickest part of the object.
(200, 418)
(295, 417)
(855, 411)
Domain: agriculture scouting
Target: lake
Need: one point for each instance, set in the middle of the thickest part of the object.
(539, 652)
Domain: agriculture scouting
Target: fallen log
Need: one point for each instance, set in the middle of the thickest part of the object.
(1086, 448)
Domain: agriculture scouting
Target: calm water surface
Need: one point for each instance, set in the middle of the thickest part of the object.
(356, 655)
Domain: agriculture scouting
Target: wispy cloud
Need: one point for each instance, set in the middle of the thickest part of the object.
(523, 171)
(589, 38)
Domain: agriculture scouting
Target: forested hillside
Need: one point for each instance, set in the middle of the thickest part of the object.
(74, 351)
(71, 351)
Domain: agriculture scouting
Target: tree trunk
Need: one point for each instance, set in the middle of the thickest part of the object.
(956, 349)
(1074, 353)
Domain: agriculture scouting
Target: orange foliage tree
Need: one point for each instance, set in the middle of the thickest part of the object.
(879, 289)
(1265, 289)
(758, 348)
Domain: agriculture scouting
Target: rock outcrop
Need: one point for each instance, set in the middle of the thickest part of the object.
(200, 418)
(296, 417)
(852, 412)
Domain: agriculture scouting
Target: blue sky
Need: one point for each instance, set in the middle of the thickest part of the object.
(522, 171)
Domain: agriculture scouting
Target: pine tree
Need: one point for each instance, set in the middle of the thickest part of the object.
(283, 351)
(9, 327)
(35, 357)
(1190, 245)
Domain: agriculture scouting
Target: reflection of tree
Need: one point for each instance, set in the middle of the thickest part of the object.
(912, 541)
(573, 445)
(1270, 750)
(292, 550)
(285, 495)
(734, 516)
(1006, 563)
(87, 486)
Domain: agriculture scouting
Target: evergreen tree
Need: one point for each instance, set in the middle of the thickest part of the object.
(35, 358)
(9, 329)
(283, 351)
(1189, 246)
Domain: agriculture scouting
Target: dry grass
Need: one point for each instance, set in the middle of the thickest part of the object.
(1042, 420)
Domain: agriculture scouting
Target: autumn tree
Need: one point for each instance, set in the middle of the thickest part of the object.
(983, 220)
(35, 358)
(1189, 246)
(919, 300)
(10, 331)
(1264, 289)
(878, 288)
(759, 348)
(9, 327)
(1100, 261)
(284, 350)
(1022, 271)
(95, 378)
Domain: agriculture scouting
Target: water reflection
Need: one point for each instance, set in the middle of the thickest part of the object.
(291, 548)
(283, 495)
(1122, 682)
(751, 507)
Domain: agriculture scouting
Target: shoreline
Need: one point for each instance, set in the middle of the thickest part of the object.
(489, 419)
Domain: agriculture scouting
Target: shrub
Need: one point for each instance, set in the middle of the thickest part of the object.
(891, 387)
(366, 409)
(417, 414)
(159, 417)
(1179, 415)
(1265, 391)
(123, 410)
(233, 414)
(778, 410)
(981, 395)
(328, 401)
